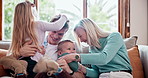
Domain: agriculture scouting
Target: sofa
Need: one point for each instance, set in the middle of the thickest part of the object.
(138, 55)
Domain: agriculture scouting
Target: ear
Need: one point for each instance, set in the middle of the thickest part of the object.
(59, 52)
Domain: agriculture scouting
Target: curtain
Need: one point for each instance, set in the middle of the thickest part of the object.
(124, 18)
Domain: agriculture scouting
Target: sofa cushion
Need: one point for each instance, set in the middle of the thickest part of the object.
(136, 64)
(144, 58)
(131, 42)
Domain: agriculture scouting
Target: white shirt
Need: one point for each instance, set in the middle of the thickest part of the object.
(51, 51)
(41, 27)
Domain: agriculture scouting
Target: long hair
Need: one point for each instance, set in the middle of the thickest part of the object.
(93, 32)
(23, 27)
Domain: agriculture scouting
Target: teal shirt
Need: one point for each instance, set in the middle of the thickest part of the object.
(112, 56)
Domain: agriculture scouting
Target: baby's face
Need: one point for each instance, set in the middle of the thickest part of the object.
(68, 47)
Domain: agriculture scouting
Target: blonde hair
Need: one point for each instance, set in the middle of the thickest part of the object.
(93, 32)
(23, 27)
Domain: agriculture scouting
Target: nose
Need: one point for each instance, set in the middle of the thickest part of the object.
(55, 36)
(73, 51)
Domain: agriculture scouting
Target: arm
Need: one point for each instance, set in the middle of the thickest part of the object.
(78, 75)
(114, 43)
(68, 72)
(53, 26)
(89, 72)
(112, 46)
(63, 64)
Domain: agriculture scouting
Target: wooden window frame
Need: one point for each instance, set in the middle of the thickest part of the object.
(1, 11)
(124, 18)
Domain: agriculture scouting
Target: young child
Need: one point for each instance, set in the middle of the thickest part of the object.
(66, 47)
(26, 28)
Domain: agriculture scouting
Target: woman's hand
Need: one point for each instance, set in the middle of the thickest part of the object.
(28, 49)
(63, 64)
(71, 57)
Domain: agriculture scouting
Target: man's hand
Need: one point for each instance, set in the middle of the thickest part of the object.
(63, 64)
(28, 49)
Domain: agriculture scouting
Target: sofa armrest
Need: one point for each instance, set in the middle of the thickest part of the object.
(5, 45)
(2, 71)
(143, 49)
(3, 52)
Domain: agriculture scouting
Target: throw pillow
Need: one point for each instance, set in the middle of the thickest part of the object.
(130, 42)
(136, 63)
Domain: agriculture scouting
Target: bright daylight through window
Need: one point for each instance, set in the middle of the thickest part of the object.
(103, 12)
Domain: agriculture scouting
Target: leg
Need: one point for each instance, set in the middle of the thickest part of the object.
(31, 64)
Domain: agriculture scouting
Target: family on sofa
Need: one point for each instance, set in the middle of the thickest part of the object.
(108, 55)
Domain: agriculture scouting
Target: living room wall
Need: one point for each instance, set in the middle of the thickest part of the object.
(139, 20)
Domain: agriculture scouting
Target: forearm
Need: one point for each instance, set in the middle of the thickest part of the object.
(92, 73)
(78, 75)
(82, 68)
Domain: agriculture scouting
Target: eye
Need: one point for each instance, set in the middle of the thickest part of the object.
(61, 34)
(68, 49)
(74, 49)
(54, 32)
(79, 36)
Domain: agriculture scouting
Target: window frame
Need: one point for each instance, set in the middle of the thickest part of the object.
(123, 23)
(1, 11)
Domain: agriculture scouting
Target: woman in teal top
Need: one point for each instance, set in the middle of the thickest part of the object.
(108, 55)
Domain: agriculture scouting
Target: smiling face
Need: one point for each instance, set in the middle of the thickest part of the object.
(81, 33)
(66, 47)
(55, 36)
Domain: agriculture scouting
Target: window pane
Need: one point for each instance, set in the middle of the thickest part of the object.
(71, 8)
(104, 13)
(8, 7)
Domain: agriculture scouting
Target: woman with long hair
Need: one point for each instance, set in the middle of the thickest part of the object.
(26, 28)
(108, 55)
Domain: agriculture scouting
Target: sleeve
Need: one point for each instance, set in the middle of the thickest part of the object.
(92, 72)
(52, 26)
(114, 43)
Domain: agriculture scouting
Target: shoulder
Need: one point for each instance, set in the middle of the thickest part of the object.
(115, 36)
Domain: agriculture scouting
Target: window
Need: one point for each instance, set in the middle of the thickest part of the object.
(73, 9)
(8, 12)
(104, 12)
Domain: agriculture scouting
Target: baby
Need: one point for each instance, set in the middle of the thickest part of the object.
(66, 47)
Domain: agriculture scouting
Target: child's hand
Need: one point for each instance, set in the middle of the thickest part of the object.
(42, 50)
